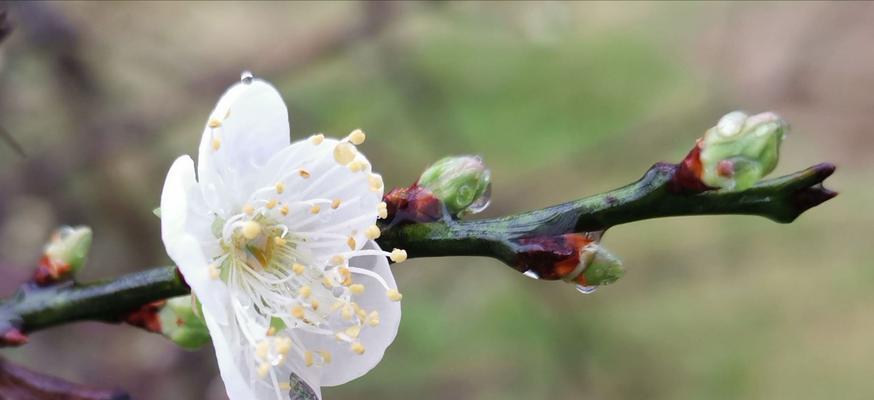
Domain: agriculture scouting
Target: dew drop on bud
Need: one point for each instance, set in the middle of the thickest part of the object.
(246, 77)
(531, 274)
(586, 289)
(482, 202)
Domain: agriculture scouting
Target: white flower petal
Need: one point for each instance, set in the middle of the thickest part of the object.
(236, 359)
(248, 125)
(347, 365)
(182, 224)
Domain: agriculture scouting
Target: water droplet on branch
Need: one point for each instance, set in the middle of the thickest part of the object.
(586, 289)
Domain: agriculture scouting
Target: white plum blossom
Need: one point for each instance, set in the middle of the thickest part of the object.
(276, 241)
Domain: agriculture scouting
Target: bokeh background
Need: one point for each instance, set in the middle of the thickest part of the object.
(561, 99)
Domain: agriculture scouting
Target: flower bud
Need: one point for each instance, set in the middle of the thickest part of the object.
(182, 324)
(604, 268)
(740, 150)
(462, 183)
(64, 254)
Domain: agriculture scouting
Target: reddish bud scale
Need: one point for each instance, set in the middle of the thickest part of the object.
(50, 271)
(12, 337)
(414, 204)
(551, 257)
(687, 178)
(146, 317)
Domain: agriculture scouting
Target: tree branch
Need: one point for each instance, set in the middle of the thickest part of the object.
(523, 241)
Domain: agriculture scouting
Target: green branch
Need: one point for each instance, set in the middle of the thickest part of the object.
(507, 239)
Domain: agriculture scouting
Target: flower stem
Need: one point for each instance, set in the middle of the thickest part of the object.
(780, 199)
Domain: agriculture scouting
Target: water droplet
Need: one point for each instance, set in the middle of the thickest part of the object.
(595, 236)
(482, 202)
(275, 359)
(531, 274)
(586, 289)
(246, 77)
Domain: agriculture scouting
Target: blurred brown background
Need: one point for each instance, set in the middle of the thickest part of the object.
(562, 100)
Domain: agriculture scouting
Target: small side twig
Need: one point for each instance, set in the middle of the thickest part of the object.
(20, 383)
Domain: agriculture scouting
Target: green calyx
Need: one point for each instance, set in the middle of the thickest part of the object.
(741, 149)
(604, 268)
(462, 183)
(182, 324)
(70, 246)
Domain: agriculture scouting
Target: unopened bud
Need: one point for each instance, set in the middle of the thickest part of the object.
(741, 149)
(64, 254)
(604, 268)
(182, 324)
(462, 183)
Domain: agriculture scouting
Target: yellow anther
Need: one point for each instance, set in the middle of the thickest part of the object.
(394, 295)
(327, 283)
(284, 209)
(251, 229)
(351, 242)
(308, 358)
(248, 209)
(344, 153)
(303, 173)
(283, 345)
(373, 318)
(357, 166)
(284, 385)
(317, 138)
(263, 370)
(270, 204)
(335, 204)
(326, 356)
(216, 143)
(358, 348)
(315, 209)
(305, 291)
(382, 210)
(214, 123)
(375, 182)
(280, 187)
(356, 288)
(261, 349)
(398, 255)
(372, 232)
(338, 260)
(346, 312)
(314, 304)
(271, 331)
(297, 312)
(298, 269)
(353, 331)
(214, 272)
(279, 241)
(357, 137)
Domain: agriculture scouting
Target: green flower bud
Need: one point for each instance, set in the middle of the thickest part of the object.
(604, 268)
(462, 183)
(68, 247)
(740, 150)
(182, 324)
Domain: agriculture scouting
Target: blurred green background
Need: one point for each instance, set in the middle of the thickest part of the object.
(561, 99)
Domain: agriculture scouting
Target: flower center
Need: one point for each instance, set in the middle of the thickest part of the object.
(280, 287)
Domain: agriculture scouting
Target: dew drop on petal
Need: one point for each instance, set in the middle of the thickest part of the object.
(246, 77)
(531, 274)
(586, 289)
